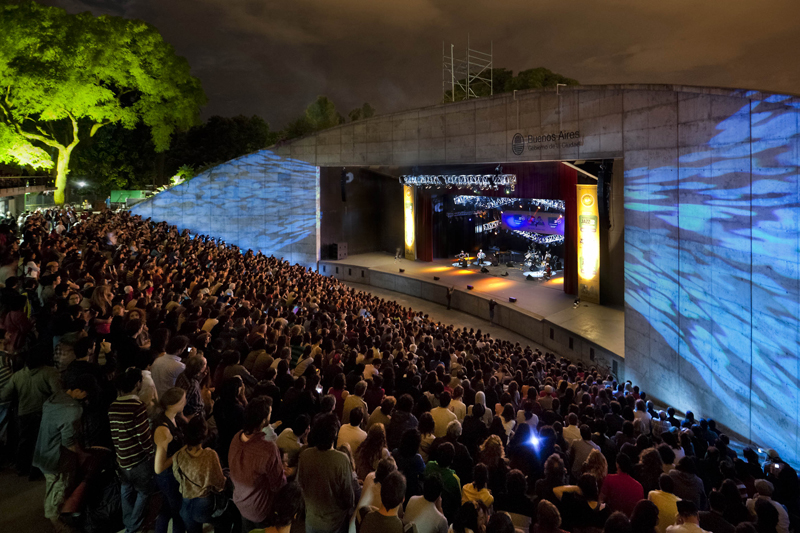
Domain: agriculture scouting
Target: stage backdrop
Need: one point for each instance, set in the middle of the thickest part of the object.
(260, 201)
(712, 287)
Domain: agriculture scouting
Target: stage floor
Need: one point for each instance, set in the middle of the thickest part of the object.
(603, 325)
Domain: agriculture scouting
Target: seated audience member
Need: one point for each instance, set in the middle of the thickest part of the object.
(713, 520)
(620, 491)
(688, 520)
(477, 490)
(548, 519)
(425, 511)
(764, 490)
(666, 501)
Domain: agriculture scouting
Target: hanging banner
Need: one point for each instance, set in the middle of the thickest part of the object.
(408, 216)
(588, 244)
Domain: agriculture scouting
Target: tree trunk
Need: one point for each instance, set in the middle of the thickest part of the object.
(62, 168)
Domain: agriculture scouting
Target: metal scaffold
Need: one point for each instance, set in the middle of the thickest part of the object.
(461, 77)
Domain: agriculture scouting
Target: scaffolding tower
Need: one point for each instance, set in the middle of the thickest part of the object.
(466, 74)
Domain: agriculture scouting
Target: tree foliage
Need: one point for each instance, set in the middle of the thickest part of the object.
(365, 111)
(65, 77)
(504, 81)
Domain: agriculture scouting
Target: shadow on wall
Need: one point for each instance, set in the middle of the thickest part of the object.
(711, 270)
(260, 201)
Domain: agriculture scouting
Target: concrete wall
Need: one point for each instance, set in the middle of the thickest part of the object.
(507, 315)
(711, 243)
(260, 201)
(371, 218)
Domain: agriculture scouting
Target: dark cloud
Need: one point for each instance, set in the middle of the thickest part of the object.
(271, 57)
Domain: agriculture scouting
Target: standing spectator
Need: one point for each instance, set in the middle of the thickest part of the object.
(644, 517)
(168, 439)
(58, 448)
(401, 421)
(352, 433)
(456, 405)
(325, 477)
(478, 490)
(354, 401)
(191, 381)
(199, 473)
(166, 368)
(580, 450)
(292, 439)
(425, 511)
(620, 491)
(385, 519)
(548, 519)
(229, 415)
(133, 442)
(688, 486)
(409, 462)
(451, 485)
(30, 387)
(256, 468)
(442, 415)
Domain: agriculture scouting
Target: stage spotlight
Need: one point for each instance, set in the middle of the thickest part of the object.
(435, 278)
(512, 299)
(484, 270)
(534, 440)
(470, 287)
(402, 270)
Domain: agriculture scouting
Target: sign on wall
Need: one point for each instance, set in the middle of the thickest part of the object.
(588, 244)
(408, 216)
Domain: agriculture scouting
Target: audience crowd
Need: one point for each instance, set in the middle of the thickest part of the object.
(154, 377)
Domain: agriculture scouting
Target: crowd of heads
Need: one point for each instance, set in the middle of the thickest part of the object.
(305, 352)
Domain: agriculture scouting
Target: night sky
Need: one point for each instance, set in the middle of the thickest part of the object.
(273, 57)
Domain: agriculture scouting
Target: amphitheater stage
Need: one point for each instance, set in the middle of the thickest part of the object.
(543, 313)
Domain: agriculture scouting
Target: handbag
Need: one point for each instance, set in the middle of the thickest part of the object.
(221, 498)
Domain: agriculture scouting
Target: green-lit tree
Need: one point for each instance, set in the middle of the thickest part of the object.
(365, 111)
(64, 77)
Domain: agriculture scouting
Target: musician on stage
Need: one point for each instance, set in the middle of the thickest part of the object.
(481, 257)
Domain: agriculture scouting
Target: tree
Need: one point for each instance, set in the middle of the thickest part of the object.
(365, 111)
(65, 77)
(321, 114)
(504, 81)
(218, 140)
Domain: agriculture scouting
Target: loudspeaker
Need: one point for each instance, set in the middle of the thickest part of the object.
(529, 278)
(604, 191)
(435, 278)
(484, 270)
(510, 264)
(504, 274)
(512, 299)
(470, 287)
(402, 270)
(338, 250)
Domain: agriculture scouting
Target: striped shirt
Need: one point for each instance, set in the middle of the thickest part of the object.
(130, 431)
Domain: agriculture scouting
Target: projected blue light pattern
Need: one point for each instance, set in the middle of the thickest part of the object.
(260, 201)
(711, 270)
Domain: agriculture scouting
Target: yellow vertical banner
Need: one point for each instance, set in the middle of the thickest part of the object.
(588, 244)
(408, 215)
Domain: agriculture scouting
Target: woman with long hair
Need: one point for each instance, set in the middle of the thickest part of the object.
(596, 465)
(649, 469)
(199, 474)
(466, 519)
(371, 451)
(509, 419)
(493, 456)
(102, 307)
(426, 427)
(168, 439)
